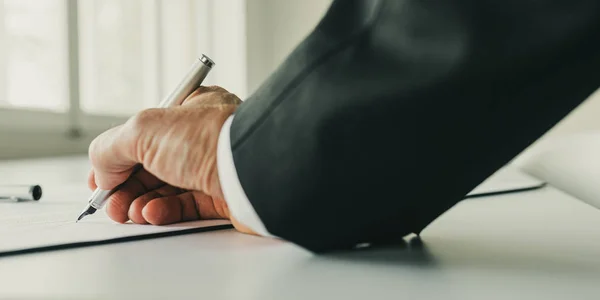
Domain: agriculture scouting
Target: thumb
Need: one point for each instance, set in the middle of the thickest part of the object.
(111, 157)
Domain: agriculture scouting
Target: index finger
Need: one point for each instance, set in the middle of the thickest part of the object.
(117, 207)
(92, 180)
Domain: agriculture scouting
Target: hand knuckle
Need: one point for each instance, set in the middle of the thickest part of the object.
(208, 89)
(233, 99)
(216, 88)
(142, 120)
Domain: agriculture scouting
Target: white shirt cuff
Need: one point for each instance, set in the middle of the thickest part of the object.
(237, 201)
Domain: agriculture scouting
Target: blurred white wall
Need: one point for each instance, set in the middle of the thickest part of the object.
(274, 28)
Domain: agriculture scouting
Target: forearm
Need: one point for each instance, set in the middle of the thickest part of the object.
(376, 131)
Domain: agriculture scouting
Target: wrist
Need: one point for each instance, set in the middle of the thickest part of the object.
(241, 227)
(211, 183)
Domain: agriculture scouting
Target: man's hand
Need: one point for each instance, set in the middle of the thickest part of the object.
(177, 148)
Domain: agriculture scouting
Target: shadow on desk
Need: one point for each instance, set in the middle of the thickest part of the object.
(410, 252)
(423, 268)
(432, 253)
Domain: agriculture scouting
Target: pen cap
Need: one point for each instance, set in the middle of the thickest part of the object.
(21, 192)
(207, 61)
(190, 82)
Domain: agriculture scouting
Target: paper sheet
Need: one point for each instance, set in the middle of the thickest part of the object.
(50, 223)
(570, 163)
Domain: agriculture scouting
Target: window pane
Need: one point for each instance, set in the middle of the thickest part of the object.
(111, 61)
(35, 47)
(133, 52)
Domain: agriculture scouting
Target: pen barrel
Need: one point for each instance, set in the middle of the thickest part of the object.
(192, 80)
(99, 198)
(21, 192)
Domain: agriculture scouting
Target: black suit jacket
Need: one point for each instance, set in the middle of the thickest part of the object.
(390, 112)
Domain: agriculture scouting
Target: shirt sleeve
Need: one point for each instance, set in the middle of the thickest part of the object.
(237, 201)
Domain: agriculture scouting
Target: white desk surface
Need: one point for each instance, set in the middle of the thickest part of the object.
(535, 245)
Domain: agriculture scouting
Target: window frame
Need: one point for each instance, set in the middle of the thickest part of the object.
(3, 65)
(24, 132)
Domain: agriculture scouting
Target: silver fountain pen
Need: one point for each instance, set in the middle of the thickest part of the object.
(192, 80)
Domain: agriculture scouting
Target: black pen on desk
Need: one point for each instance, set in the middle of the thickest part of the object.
(20, 192)
(190, 82)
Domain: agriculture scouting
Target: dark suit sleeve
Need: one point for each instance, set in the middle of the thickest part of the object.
(390, 112)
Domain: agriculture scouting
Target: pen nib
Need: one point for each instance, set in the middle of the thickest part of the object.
(81, 216)
(88, 211)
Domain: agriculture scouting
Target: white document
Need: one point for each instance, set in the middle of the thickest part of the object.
(51, 222)
(570, 163)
